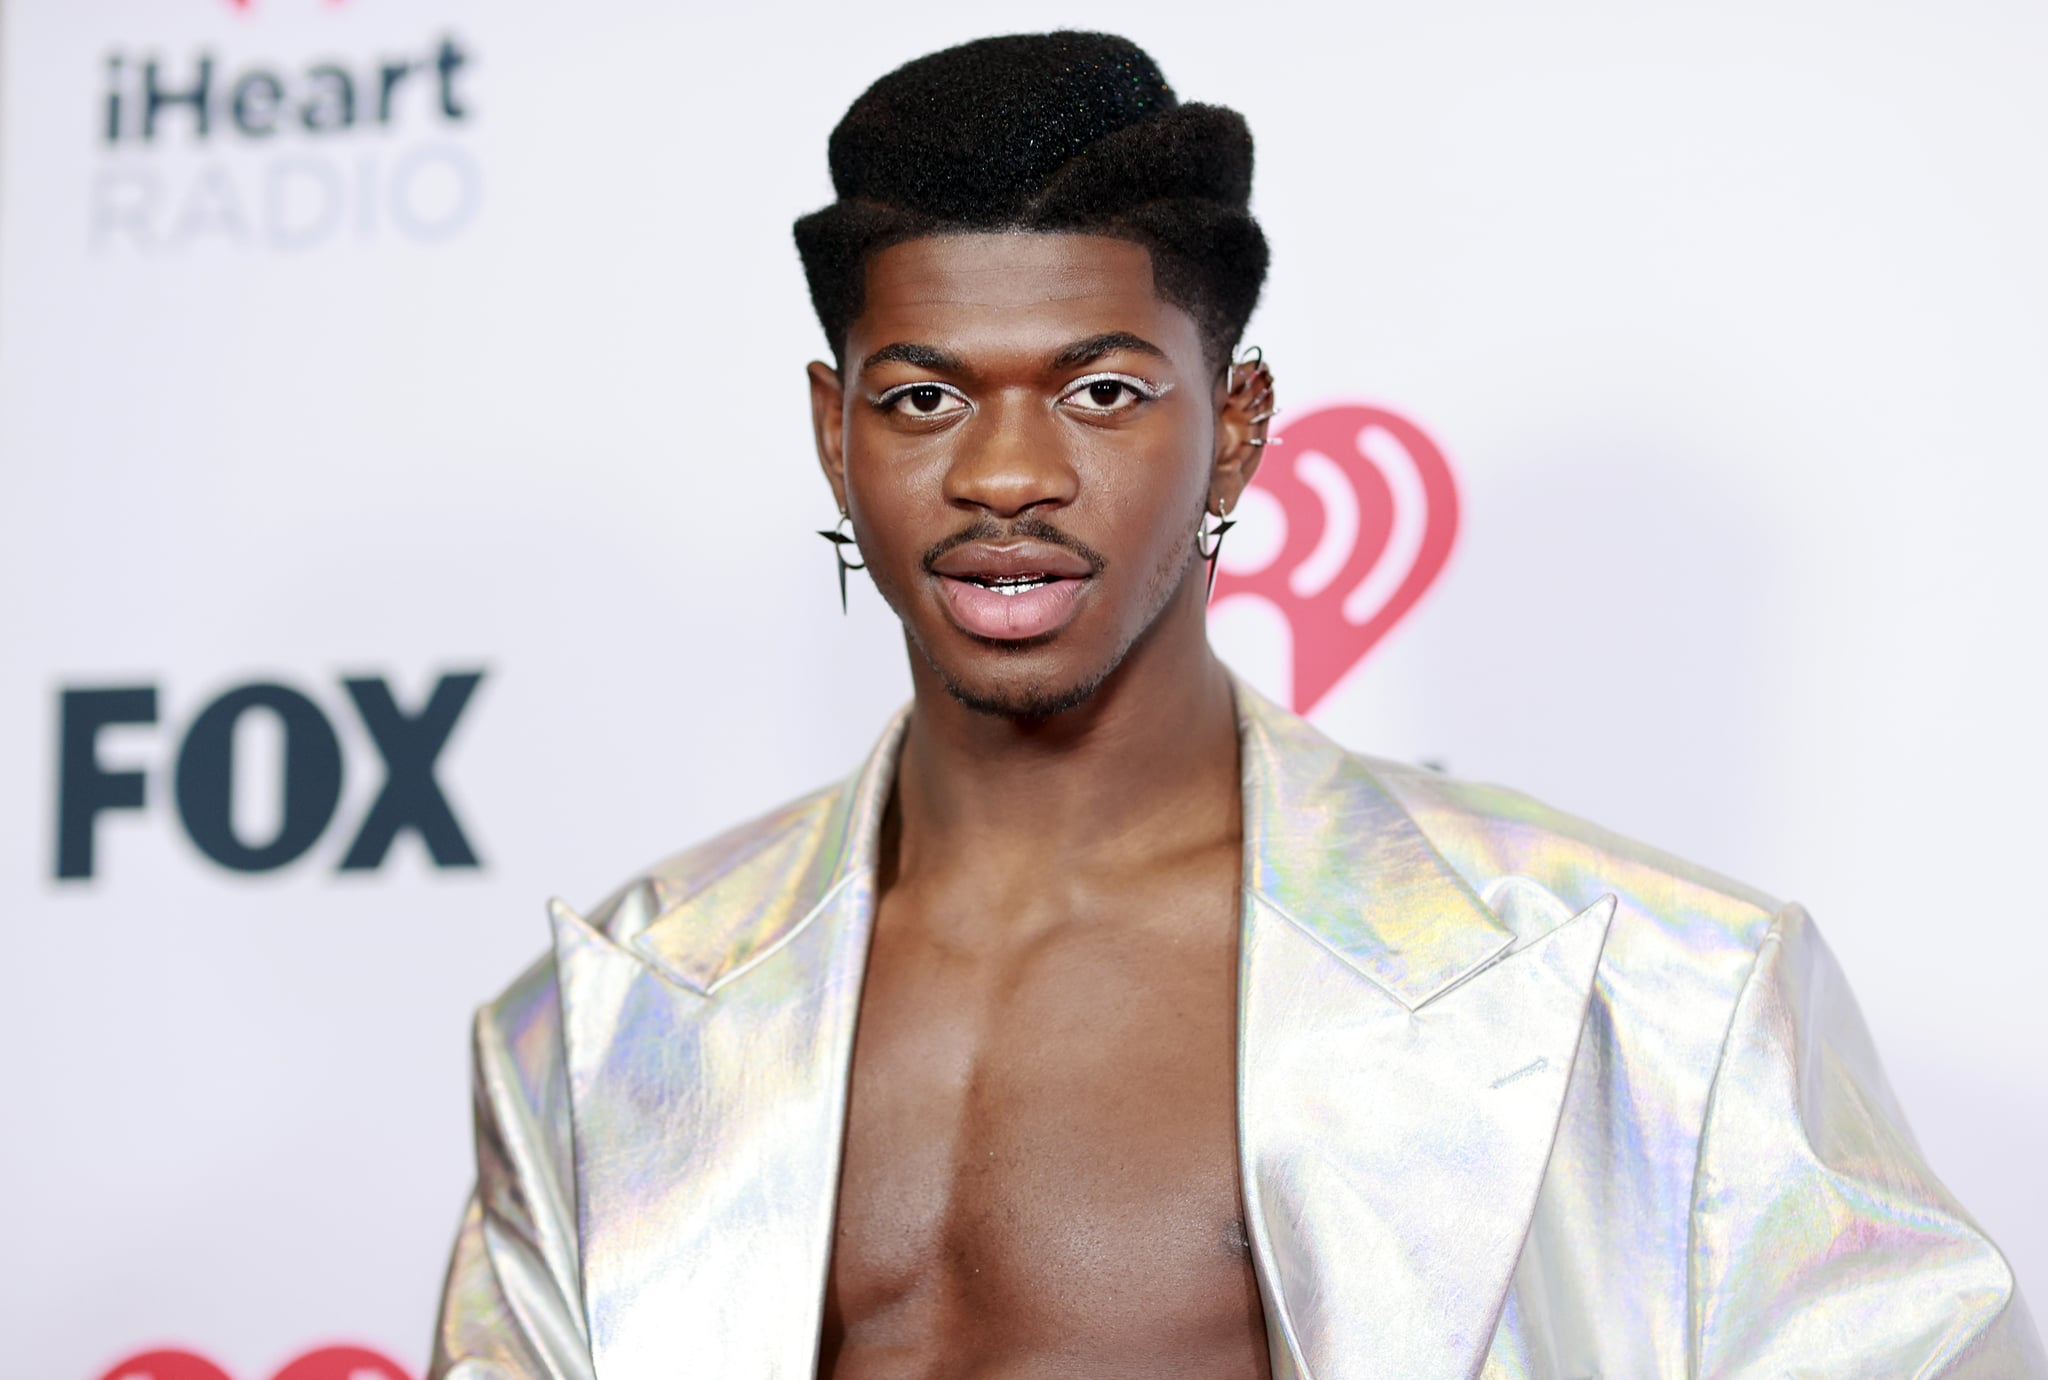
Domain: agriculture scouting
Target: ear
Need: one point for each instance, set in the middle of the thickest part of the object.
(828, 426)
(1244, 405)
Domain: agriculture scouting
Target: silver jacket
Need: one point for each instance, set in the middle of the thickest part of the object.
(1516, 1098)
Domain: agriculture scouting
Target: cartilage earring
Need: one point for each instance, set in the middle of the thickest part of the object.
(1209, 541)
(1252, 381)
(842, 537)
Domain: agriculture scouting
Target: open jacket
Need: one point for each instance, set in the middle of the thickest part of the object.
(1516, 1098)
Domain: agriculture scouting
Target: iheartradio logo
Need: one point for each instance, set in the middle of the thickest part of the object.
(325, 1363)
(1350, 520)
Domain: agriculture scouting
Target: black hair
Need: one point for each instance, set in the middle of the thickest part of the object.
(1066, 131)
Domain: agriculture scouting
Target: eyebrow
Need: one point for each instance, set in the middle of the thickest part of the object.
(918, 356)
(1108, 343)
(1085, 351)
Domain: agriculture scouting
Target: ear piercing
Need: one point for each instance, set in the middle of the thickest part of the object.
(841, 536)
(1209, 540)
(1250, 378)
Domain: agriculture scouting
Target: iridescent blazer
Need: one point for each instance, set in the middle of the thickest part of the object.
(1516, 1098)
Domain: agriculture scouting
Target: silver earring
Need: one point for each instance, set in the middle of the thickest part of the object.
(1209, 540)
(841, 539)
(1251, 377)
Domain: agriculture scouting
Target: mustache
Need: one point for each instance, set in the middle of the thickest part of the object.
(1026, 528)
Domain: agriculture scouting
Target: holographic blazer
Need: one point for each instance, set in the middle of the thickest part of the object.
(1516, 1098)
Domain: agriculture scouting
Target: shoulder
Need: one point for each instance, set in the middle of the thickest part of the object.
(1683, 947)
(1686, 927)
(789, 839)
(1490, 827)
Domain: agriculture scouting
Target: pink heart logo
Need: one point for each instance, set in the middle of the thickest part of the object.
(1368, 511)
(324, 1363)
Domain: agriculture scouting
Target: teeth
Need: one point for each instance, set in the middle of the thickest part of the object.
(1011, 586)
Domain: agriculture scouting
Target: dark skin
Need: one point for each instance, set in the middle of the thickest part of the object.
(1040, 1173)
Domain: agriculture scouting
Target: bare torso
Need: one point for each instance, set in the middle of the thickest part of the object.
(1040, 1175)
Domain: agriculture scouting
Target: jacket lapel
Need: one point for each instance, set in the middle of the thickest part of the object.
(1402, 1059)
(707, 1048)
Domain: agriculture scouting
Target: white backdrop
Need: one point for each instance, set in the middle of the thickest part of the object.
(1731, 320)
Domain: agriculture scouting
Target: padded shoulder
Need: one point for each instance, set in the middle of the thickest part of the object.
(1492, 835)
(677, 878)
(525, 1016)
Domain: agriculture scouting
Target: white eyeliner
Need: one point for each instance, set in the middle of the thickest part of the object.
(890, 395)
(1144, 388)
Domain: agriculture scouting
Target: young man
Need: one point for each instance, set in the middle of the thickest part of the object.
(1110, 1021)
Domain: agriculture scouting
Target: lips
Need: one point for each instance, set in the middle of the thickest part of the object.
(1012, 590)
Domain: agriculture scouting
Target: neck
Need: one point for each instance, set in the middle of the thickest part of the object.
(1146, 767)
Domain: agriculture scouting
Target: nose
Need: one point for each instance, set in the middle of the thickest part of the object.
(1011, 459)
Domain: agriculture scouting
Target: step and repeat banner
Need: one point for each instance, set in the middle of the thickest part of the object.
(408, 504)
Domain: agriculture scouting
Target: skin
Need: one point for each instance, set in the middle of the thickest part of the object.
(1040, 1171)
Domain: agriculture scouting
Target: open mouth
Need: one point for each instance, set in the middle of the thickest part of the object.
(1012, 590)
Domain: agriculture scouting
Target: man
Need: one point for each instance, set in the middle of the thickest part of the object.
(1110, 1021)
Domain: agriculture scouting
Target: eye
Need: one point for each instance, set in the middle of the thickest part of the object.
(921, 400)
(1109, 394)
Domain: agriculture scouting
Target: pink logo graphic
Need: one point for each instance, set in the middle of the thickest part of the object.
(326, 1363)
(1369, 512)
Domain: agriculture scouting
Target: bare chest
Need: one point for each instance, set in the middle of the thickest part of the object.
(1040, 1167)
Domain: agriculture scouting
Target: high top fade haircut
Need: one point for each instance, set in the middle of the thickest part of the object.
(1059, 132)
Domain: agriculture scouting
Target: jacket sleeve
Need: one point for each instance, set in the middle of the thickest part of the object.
(1822, 1244)
(511, 1308)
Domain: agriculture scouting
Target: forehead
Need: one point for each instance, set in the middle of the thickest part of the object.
(1027, 292)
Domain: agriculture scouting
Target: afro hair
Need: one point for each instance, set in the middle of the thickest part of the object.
(1074, 132)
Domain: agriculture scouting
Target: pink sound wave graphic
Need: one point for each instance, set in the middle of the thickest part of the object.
(1371, 514)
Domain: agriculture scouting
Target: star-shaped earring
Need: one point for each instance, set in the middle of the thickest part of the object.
(840, 541)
